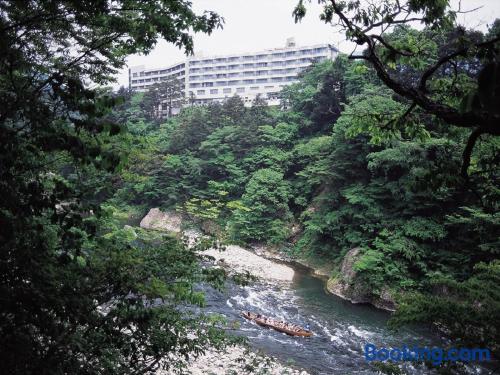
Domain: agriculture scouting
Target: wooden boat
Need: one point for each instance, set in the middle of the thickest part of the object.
(289, 329)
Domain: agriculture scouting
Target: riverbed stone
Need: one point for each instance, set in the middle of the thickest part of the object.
(235, 360)
(169, 221)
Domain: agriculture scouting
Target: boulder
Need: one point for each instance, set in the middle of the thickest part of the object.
(385, 300)
(164, 221)
(348, 286)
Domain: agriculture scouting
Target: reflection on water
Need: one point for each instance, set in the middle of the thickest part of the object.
(341, 328)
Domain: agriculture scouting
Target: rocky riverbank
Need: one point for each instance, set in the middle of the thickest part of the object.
(345, 284)
(234, 360)
(259, 262)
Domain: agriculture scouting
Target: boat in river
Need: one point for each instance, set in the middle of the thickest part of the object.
(288, 328)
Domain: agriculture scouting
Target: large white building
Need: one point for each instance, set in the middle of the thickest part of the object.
(216, 78)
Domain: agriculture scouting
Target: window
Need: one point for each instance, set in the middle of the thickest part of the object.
(226, 91)
(214, 91)
(240, 89)
(200, 92)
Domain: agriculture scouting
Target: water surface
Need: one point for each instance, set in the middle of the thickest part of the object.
(341, 329)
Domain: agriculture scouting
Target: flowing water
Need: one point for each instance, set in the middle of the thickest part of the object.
(340, 328)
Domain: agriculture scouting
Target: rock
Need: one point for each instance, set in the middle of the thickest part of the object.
(210, 227)
(344, 285)
(348, 286)
(235, 360)
(385, 300)
(165, 221)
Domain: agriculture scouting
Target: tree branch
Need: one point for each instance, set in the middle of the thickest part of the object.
(468, 152)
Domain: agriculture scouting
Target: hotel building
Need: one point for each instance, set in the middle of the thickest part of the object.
(216, 78)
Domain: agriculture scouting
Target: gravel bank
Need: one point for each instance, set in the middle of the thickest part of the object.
(242, 260)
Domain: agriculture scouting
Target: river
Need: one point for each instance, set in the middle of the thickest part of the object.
(341, 329)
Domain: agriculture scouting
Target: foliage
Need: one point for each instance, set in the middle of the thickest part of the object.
(469, 306)
(465, 70)
(161, 97)
(266, 196)
(363, 155)
(78, 296)
(346, 164)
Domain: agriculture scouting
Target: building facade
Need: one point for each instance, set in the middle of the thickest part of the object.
(216, 78)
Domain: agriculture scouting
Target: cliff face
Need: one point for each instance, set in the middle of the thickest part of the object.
(349, 286)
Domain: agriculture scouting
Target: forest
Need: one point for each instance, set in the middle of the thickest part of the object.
(349, 159)
(323, 176)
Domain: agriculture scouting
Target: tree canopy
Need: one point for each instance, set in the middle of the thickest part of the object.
(79, 294)
(466, 63)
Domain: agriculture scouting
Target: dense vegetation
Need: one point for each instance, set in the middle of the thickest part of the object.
(355, 158)
(79, 294)
(344, 166)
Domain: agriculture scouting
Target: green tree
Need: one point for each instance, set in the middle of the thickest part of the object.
(73, 299)
(165, 96)
(477, 108)
(266, 208)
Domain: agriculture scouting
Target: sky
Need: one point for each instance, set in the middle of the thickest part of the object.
(254, 25)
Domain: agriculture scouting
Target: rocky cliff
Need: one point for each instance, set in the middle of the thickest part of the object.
(349, 286)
